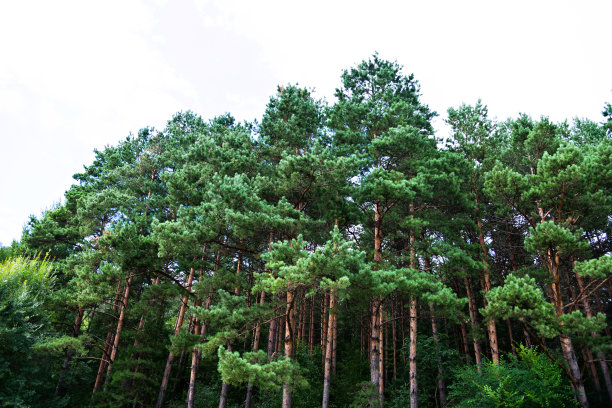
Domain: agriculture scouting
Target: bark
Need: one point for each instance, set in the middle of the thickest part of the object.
(107, 344)
(312, 325)
(511, 337)
(474, 321)
(289, 341)
(394, 337)
(375, 353)
(600, 356)
(552, 259)
(224, 388)
(464, 340)
(76, 329)
(196, 354)
(177, 329)
(193, 370)
(412, 353)
(256, 336)
(324, 321)
(328, 349)
(375, 312)
(441, 382)
(491, 329)
(381, 359)
(334, 339)
(123, 306)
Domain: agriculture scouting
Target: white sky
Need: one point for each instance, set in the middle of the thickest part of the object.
(78, 75)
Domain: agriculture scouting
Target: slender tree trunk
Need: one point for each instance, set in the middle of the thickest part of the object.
(123, 306)
(414, 402)
(193, 370)
(224, 388)
(441, 382)
(76, 329)
(335, 338)
(289, 341)
(324, 321)
(566, 342)
(600, 356)
(511, 337)
(376, 310)
(394, 336)
(375, 353)
(328, 348)
(312, 325)
(177, 329)
(249, 395)
(464, 340)
(491, 329)
(474, 320)
(107, 344)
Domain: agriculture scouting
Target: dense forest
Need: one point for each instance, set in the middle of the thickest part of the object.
(341, 255)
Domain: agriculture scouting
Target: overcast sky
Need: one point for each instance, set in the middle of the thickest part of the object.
(79, 75)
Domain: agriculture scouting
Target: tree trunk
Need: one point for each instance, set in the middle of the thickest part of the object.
(600, 356)
(414, 402)
(474, 320)
(376, 310)
(441, 382)
(224, 388)
(177, 329)
(107, 344)
(289, 342)
(335, 339)
(375, 353)
(491, 329)
(193, 369)
(324, 321)
(312, 325)
(249, 395)
(123, 306)
(566, 342)
(328, 348)
(76, 329)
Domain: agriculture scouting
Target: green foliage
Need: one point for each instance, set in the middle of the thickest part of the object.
(531, 380)
(25, 371)
(256, 368)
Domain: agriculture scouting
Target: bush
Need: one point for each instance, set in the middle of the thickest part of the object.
(531, 380)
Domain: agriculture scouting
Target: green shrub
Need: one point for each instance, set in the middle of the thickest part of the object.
(529, 380)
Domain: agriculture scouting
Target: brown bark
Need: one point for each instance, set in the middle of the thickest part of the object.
(107, 344)
(600, 356)
(394, 337)
(567, 348)
(256, 336)
(376, 311)
(491, 329)
(224, 388)
(312, 325)
(335, 340)
(324, 322)
(76, 329)
(441, 382)
(328, 348)
(289, 341)
(177, 329)
(375, 352)
(123, 306)
(193, 370)
(412, 353)
(474, 321)
(381, 360)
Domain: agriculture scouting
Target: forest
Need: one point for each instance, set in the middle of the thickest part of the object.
(328, 254)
